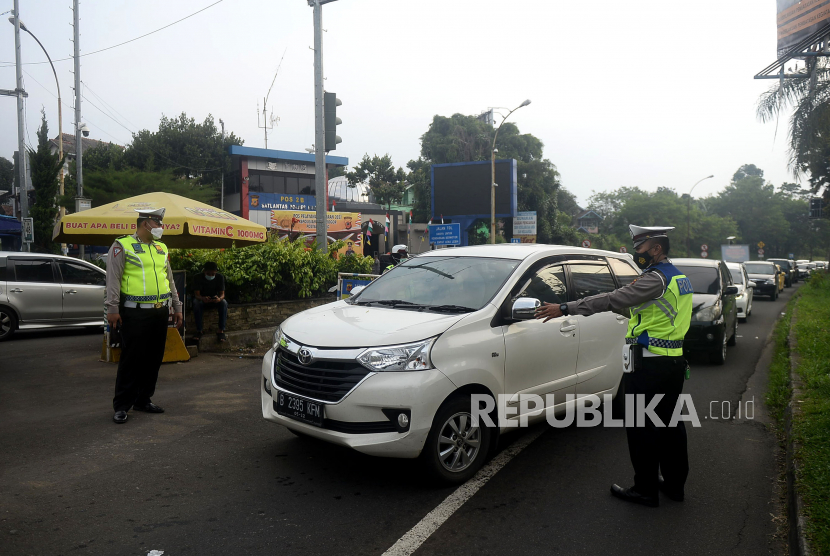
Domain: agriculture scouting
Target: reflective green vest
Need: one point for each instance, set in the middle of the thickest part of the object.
(145, 271)
(661, 324)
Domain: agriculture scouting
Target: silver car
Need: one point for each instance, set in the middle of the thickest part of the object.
(38, 290)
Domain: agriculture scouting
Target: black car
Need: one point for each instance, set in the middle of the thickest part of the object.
(765, 276)
(789, 270)
(714, 309)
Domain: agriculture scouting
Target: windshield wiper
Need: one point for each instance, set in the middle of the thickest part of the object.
(396, 302)
(451, 308)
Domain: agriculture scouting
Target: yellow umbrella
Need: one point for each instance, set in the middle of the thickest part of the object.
(187, 223)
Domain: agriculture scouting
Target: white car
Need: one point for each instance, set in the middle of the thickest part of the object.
(746, 288)
(804, 268)
(391, 370)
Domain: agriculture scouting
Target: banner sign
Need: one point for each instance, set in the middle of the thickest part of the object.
(524, 224)
(281, 201)
(797, 19)
(341, 225)
(735, 253)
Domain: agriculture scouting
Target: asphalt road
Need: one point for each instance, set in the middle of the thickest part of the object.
(211, 477)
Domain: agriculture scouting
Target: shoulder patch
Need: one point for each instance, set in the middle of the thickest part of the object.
(117, 251)
(685, 286)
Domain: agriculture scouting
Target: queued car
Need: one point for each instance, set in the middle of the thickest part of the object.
(780, 278)
(803, 268)
(788, 269)
(714, 308)
(765, 276)
(44, 291)
(821, 265)
(746, 289)
(390, 371)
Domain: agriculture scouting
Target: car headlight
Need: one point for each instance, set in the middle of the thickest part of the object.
(279, 338)
(708, 314)
(405, 357)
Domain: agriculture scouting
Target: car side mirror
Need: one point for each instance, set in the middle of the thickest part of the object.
(730, 290)
(750, 284)
(524, 308)
(357, 289)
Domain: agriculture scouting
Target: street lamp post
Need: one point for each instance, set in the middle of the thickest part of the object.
(493, 174)
(689, 216)
(60, 112)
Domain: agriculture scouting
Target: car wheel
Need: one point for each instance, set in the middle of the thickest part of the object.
(734, 339)
(775, 295)
(455, 450)
(8, 323)
(718, 357)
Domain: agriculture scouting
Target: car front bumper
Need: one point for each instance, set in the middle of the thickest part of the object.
(765, 289)
(419, 392)
(704, 336)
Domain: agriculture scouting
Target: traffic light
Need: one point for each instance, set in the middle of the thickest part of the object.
(815, 207)
(330, 104)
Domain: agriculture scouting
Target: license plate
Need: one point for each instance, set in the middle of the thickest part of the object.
(301, 409)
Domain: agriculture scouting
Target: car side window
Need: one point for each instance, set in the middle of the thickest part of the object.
(625, 272)
(547, 285)
(33, 270)
(76, 273)
(591, 279)
(725, 276)
(2, 269)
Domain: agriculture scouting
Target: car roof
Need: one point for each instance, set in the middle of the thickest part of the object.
(519, 251)
(730, 264)
(696, 262)
(27, 255)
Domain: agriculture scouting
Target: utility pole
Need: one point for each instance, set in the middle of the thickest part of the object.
(79, 146)
(319, 129)
(222, 187)
(21, 144)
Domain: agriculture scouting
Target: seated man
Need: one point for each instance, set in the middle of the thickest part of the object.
(209, 293)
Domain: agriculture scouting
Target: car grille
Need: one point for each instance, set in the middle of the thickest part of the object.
(324, 380)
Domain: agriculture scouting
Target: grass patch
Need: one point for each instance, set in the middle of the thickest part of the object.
(779, 390)
(812, 428)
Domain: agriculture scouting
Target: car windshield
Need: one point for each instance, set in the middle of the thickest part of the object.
(785, 265)
(737, 275)
(443, 283)
(759, 268)
(704, 278)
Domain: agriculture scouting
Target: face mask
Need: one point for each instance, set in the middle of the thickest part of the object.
(157, 232)
(209, 277)
(643, 260)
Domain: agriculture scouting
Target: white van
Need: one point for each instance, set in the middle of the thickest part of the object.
(390, 371)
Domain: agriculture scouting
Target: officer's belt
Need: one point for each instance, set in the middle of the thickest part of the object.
(657, 342)
(134, 305)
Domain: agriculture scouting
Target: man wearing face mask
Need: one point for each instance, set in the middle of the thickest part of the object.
(140, 289)
(209, 293)
(659, 306)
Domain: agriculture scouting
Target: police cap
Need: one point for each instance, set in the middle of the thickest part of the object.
(152, 214)
(639, 234)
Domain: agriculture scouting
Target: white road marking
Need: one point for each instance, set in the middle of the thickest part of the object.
(416, 536)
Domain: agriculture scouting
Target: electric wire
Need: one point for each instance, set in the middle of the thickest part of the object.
(11, 64)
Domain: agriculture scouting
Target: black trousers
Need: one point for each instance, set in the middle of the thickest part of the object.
(653, 449)
(143, 335)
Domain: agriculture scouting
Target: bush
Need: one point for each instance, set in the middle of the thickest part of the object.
(278, 269)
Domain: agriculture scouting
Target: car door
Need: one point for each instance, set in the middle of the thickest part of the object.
(541, 357)
(84, 291)
(602, 335)
(33, 290)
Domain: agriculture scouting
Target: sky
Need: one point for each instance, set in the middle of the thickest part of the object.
(643, 93)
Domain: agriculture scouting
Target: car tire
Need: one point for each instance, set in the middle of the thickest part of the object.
(719, 357)
(774, 296)
(8, 323)
(453, 458)
(734, 339)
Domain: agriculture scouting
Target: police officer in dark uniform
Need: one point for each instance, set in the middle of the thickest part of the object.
(140, 289)
(659, 307)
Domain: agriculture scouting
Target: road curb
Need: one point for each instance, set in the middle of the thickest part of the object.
(798, 544)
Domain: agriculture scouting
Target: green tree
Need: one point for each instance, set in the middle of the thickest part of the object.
(45, 167)
(110, 185)
(386, 183)
(6, 174)
(186, 148)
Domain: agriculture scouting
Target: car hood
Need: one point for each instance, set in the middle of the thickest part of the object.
(340, 325)
(761, 277)
(701, 300)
